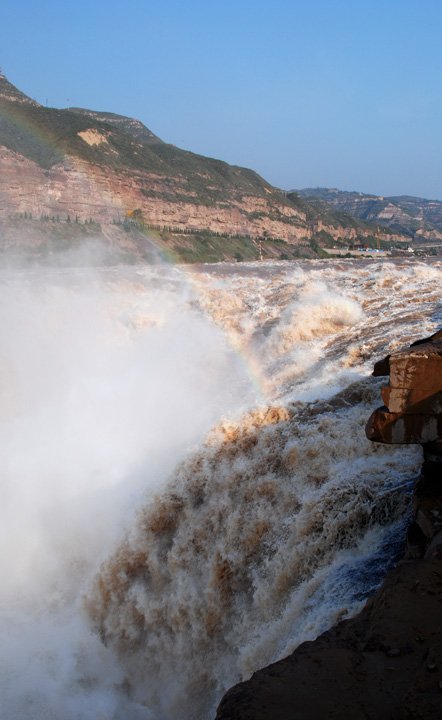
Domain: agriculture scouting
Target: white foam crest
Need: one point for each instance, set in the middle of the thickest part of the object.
(295, 345)
(318, 312)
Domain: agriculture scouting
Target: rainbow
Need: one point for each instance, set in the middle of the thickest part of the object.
(240, 347)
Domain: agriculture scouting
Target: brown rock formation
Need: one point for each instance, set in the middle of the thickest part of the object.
(413, 400)
(387, 661)
(413, 414)
(77, 188)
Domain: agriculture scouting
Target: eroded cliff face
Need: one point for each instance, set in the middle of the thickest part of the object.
(68, 188)
(101, 166)
(77, 188)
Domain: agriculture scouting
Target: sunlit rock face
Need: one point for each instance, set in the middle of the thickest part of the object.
(413, 414)
(78, 188)
(413, 400)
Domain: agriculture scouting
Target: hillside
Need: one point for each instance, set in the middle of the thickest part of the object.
(100, 167)
(418, 218)
(134, 127)
(10, 92)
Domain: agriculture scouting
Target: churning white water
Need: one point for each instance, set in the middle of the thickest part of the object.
(187, 492)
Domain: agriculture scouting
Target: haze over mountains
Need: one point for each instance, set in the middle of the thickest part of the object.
(75, 173)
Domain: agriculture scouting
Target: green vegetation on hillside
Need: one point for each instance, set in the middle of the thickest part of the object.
(317, 209)
(48, 236)
(206, 246)
(134, 127)
(46, 136)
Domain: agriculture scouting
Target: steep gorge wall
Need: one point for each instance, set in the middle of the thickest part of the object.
(77, 188)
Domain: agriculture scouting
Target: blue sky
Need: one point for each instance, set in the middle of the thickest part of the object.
(306, 92)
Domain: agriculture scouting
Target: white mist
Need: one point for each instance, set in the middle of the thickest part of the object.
(106, 380)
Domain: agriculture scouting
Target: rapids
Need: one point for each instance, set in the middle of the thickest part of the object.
(187, 490)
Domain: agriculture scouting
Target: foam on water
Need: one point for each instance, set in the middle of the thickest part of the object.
(216, 576)
(257, 540)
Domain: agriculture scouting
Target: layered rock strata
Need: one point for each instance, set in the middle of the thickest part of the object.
(387, 661)
(77, 188)
(413, 399)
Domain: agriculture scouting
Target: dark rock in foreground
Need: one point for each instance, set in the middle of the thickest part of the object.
(386, 662)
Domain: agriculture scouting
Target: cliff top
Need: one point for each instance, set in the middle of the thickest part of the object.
(8, 91)
(134, 127)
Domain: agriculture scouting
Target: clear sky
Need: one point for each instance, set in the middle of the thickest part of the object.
(308, 93)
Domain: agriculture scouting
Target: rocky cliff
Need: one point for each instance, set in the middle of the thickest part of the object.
(387, 661)
(417, 218)
(101, 166)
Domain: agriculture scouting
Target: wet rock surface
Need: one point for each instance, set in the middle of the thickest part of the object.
(387, 661)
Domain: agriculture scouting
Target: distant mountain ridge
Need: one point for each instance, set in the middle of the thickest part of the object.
(113, 171)
(418, 218)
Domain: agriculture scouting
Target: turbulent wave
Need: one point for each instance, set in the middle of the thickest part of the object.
(216, 576)
(140, 590)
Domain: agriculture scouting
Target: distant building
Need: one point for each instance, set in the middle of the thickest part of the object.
(358, 245)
